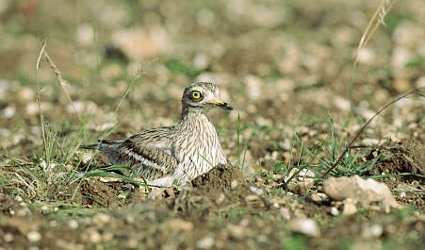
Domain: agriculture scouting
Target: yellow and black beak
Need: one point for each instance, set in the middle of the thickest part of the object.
(220, 103)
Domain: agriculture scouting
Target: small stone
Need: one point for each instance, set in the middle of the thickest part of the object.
(253, 86)
(255, 190)
(132, 243)
(285, 213)
(130, 219)
(366, 56)
(180, 224)
(101, 219)
(349, 208)
(73, 224)
(25, 95)
(93, 235)
(305, 226)
(372, 231)
(360, 190)
(221, 197)
(9, 112)
(234, 184)
(334, 211)
(44, 209)
(85, 35)
(33, 236)
(8, 237)
(251, 198)
(81, 107)
(107, 236)
(236, 231)
(316, 198)
(23, 212)
(342, 103)
(205, 243)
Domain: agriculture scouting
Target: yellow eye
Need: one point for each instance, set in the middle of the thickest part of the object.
(196, 96)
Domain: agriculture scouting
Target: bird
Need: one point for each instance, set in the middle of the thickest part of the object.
(170, 156)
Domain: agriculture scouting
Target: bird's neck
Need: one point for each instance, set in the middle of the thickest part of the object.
(193, 118)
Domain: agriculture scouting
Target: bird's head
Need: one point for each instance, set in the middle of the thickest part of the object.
(203, 96)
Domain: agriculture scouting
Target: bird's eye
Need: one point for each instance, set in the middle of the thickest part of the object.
(196, 96)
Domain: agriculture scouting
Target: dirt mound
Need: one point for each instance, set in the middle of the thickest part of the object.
(401, 159)
(104, 194)
(218, 178)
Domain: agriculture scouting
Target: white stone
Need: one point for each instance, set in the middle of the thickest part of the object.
(305, 226)
(205, 243)
(33, 236)
(334, 211)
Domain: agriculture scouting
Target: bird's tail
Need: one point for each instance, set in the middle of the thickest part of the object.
(98, 145)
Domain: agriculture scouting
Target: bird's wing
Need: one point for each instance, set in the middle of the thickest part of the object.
(150, 159)
(149, 153)
(155, 138)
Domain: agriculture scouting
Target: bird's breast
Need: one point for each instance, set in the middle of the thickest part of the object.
(197, 148)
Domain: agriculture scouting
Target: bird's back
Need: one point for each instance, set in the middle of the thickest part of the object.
(149, 153)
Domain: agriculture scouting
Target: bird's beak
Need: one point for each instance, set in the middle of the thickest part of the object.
(220, 103)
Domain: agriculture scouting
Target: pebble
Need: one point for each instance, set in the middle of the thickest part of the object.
(349, 208)
(359, 190)
(25, 95)
(316, 198)
(73, 224)
(9, 112)
(305, 226)
(101, 219)
(285, 213)
(80, 107)
(93, 235)
(130, 219)
(205, 243)
(8, 237)
(221, 197)
(33, 236)
(255, 190)
(334, 211)
(180, 224)
(372, 231)
(253, 86)
(234, 184)
(236, 231)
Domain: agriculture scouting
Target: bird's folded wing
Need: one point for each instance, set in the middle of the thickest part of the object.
(157, 159)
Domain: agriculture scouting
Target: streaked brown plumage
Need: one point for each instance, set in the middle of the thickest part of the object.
(166, 156)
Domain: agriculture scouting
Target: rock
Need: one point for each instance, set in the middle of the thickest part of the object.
(301, 183)
(139, 43)
(101, 219)
(33, 236)
(8, 237)
(256, 190)
(318, 198)
(372, 231)
(305, 226)
(253, 86)
(73, 224)
(235, 231)
(284, 212)
(205, 243)
(349, 207)
(366, 56)
(179, 224)
(360, 190)
(9, 112)
(334, 211)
